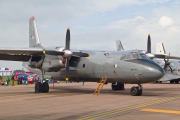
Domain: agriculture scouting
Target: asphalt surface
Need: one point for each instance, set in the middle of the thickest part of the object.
(73, 101)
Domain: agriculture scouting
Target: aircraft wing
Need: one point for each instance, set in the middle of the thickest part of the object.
(166, 56)
(169, 76)
(21, 51)
(24, 54)
(19, 54)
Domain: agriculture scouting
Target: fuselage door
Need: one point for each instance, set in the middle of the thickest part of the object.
(109, 67)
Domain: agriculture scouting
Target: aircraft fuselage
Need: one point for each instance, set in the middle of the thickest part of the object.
(112, 65)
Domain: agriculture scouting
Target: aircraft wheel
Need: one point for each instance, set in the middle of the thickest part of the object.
(120, 86)
(177, 81)
(45, 87)
(139, 92)
(171, 81)
(134, 91)
(114, 87)
(38, 87)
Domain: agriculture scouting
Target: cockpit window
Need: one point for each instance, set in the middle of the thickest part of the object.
(135, 55)
(123, 57)
(128, 56)
(143, 56)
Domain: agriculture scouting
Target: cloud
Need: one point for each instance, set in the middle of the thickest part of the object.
(126, 22)
(166, 21)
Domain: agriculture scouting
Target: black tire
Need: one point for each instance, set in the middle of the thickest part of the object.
(45, 87)
(134, 91)
(177, 81)
(38, 87)
(139, 92)
(171, 81)
(114, 87)
(120, 86)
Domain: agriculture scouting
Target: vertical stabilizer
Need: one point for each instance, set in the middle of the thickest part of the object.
(160, 48)
(33, 34)
(119, 45)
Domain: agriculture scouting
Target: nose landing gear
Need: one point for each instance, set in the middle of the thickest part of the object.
(136, 91)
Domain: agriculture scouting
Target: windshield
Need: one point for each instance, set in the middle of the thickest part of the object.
(133, 55)
(144, 56)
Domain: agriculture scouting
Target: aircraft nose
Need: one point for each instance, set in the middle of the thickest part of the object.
(152, 71)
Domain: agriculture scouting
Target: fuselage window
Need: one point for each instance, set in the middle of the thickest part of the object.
(83, 65)
(123, 57)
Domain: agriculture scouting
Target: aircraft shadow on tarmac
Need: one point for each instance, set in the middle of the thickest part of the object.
(83, 90)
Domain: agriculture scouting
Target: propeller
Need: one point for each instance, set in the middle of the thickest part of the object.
(167, 64)
(66, 53)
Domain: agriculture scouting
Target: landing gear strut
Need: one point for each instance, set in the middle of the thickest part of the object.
(117, 86)
(136, 91)
(42, 87)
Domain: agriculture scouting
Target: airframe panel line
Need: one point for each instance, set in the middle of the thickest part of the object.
(127, 109)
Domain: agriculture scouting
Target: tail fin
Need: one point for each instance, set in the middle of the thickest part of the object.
(160, 48)
(33, 34)
(119, 45)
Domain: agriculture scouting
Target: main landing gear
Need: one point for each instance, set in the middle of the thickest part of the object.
(136, 91)
(42, 87)
(117, 86)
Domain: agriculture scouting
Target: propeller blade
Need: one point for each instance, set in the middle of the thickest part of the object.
(67, 48)
(80, 54)
(149, 44)
(165, 67)
(49, 52)
(67, 68)
(68, 39)
(170, 68)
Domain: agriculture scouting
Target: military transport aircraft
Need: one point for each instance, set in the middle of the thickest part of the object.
(61, 63)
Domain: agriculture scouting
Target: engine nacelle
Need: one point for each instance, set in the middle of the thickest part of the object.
(35, 62)
(52, 64)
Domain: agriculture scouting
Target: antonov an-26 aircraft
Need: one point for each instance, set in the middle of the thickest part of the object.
(61, 63)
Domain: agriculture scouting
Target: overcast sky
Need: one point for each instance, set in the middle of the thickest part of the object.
(94, 24)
